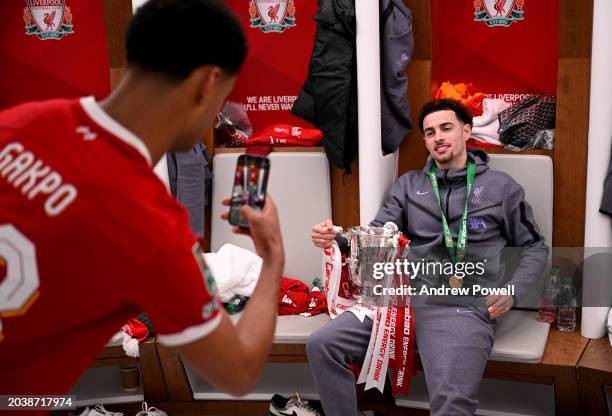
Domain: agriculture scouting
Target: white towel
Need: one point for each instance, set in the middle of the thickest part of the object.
(235, 269)
(490, 110)
(485, 126)
(487, 135)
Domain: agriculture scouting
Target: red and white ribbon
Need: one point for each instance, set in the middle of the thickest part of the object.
(391, 343)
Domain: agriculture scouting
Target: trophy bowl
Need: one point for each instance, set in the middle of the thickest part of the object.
(369, 246)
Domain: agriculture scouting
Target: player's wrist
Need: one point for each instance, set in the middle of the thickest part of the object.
(274, 257)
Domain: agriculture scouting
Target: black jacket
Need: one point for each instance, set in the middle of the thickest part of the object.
(396, 46)
(328, 98)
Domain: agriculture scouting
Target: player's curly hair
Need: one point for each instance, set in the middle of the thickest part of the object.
(174, 37)
(462, 113)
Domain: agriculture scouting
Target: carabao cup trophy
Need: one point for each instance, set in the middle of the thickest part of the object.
(371, 246)
(391, 345)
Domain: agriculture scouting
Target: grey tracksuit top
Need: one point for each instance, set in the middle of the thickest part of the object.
(498, 217)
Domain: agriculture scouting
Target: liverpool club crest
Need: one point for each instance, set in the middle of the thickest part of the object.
(47, 19)
(272, 15)
(498, 12)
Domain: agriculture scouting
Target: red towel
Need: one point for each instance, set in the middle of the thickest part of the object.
(294, 298)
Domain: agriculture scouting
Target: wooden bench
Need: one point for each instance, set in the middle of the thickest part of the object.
(557, 368)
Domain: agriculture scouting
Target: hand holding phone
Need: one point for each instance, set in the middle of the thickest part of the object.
(250, 186)
(264, 229)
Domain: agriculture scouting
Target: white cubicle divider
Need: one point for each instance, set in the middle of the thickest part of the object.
(597, 227)
(376, 172)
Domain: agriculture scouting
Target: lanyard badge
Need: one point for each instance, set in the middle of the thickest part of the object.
(456, 250)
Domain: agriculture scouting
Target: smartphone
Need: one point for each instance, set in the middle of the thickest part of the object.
(250, 185)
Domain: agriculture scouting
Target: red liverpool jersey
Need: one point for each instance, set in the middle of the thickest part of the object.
(89, 237)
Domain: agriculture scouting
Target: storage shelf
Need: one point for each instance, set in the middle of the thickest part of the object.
(277, 378)
(102, 385)
(504, 151)
(496, 398)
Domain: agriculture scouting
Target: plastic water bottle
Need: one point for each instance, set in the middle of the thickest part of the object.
(566, 315)
(548, 302)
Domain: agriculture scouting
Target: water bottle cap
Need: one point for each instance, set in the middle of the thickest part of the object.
(555, 271)
(567, 280)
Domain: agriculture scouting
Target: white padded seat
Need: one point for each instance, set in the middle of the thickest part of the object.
(535, 174)
(299, 183)
(516, 331)
(294, 329)
(519, 338)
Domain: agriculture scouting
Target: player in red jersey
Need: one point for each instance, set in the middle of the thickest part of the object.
(89, 236)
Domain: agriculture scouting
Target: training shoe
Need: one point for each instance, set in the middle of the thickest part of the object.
(99, 410)
(293, 406)
(150, 411)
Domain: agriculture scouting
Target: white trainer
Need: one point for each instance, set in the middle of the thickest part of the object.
(150, 411)
(293, 406)
(99, 410)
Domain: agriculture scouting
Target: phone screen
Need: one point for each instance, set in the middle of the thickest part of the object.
(250, 185)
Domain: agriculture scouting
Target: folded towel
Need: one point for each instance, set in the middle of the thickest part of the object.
(490, 110)
(487, 133)
(235, 269)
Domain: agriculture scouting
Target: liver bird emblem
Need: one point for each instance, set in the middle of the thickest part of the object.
(499, 7)
(49, 18)
(273, 12)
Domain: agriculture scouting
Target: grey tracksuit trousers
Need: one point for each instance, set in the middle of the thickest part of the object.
(454, 344)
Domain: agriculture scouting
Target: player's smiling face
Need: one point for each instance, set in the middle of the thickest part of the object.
(445, 136)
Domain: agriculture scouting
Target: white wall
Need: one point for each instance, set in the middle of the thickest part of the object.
(597, 229)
